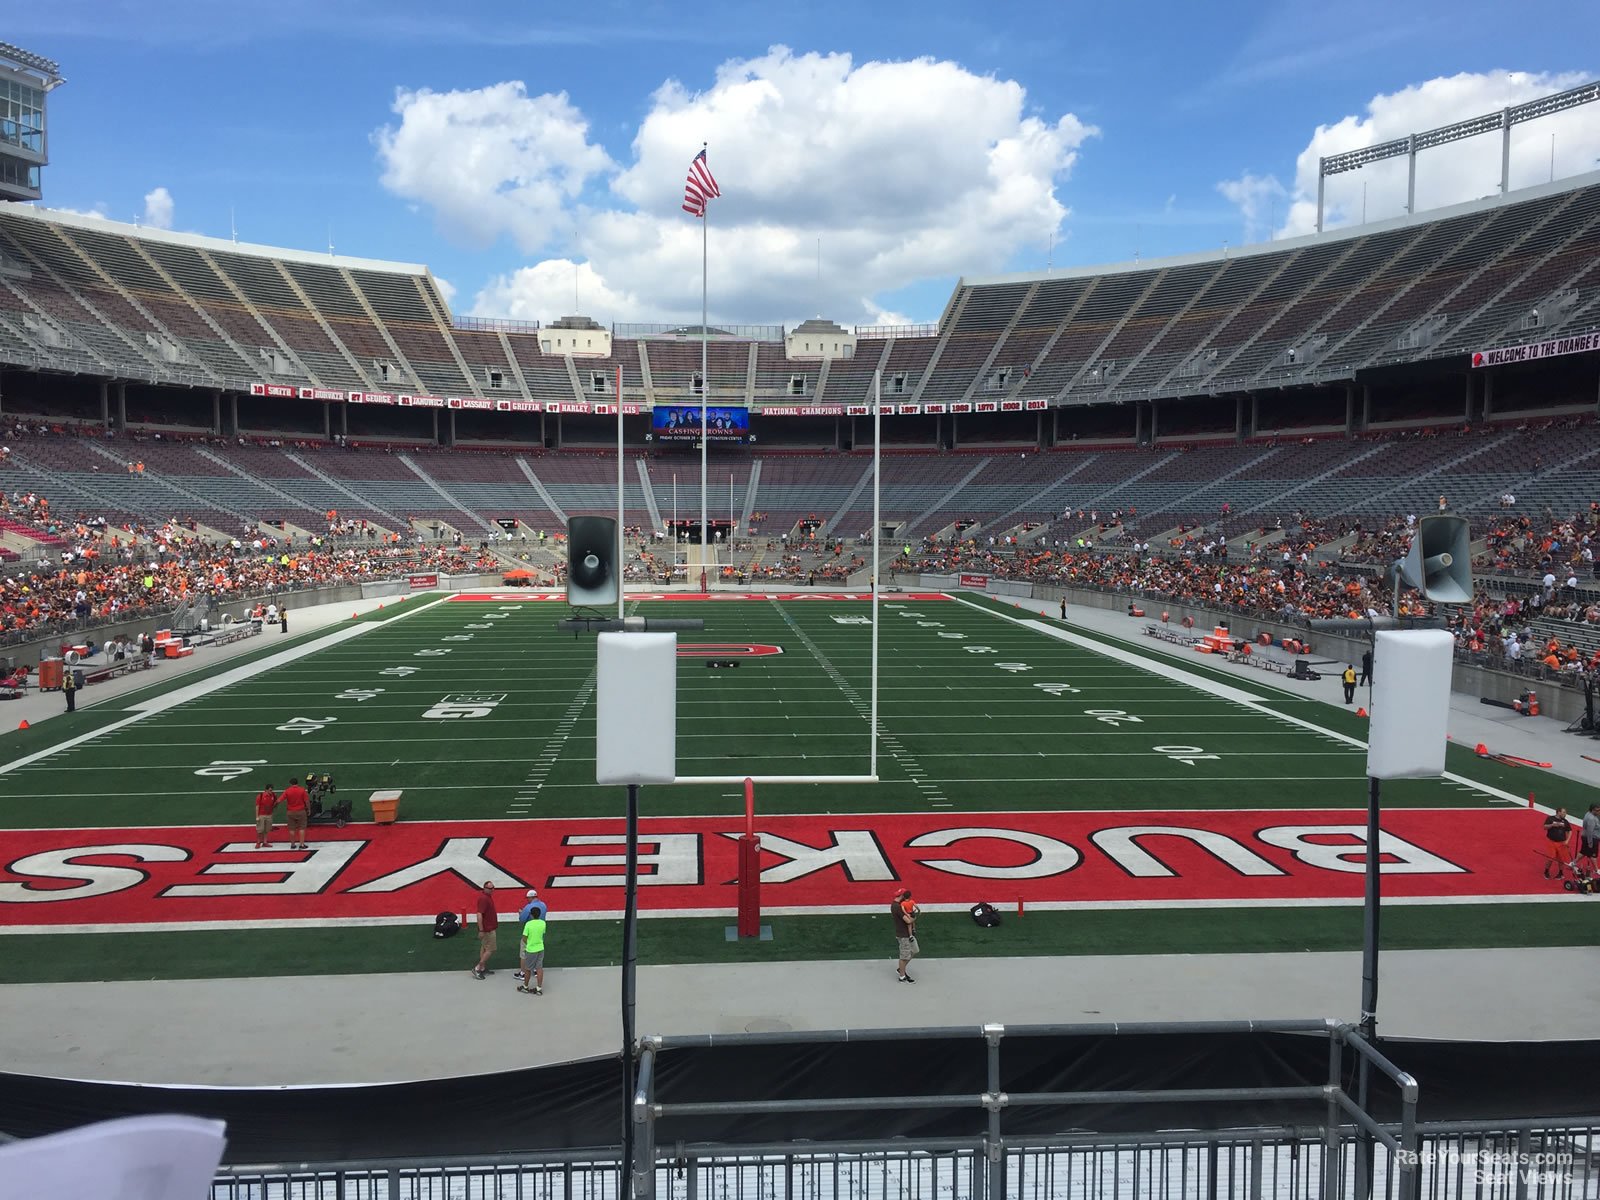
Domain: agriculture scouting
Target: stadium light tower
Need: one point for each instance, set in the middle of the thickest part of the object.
(26, 79)
(1495, 122)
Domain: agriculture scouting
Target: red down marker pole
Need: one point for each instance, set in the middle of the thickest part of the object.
(749, 868)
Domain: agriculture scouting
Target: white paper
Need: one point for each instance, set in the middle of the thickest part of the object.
(135, 1158)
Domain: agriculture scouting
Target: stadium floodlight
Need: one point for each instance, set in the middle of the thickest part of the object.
(49, 68)
(1532, 110)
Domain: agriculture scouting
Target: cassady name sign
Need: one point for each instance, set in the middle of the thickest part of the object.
(66, 878)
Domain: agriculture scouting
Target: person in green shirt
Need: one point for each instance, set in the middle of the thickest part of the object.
(533, 955)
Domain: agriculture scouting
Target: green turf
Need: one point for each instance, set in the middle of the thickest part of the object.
(961, 696)
(986, 735)
(252, 953)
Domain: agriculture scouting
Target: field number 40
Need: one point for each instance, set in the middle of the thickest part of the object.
(1183, 754)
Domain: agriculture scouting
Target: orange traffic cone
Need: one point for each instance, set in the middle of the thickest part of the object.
(380, 606)
(352, 616)
(1481, 750)
(23, 725)
(1361, 712)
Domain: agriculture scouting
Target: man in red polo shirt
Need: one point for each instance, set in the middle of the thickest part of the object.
(488, 922)
(266, 805)
(297, 802)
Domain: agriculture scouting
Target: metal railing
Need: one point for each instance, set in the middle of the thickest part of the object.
(930, 329)
(1526, 1160)
(998, 1173)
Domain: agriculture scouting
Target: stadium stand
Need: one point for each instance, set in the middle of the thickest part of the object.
(1311, 390)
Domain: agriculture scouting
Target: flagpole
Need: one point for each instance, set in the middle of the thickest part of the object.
(877, 560)
(621, 541)
(705, 388)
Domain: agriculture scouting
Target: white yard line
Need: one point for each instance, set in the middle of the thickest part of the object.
(886, 739)
(797, 911)
(214, 683)
(1222, 691)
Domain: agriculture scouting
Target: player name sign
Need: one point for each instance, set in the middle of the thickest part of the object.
(84, 879)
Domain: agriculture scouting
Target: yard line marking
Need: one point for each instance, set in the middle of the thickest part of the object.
(1221, 690)
(732, 816)
(540, 771)
(195, 691)
(886, 739)
(823, 910)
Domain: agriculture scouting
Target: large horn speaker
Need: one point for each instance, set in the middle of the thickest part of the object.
(591, 561)
(1439, 564)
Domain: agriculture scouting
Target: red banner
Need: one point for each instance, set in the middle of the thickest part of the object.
(1580, 343)
(689, 865)
(974, 581)
(283, 390)
(423, 583)
(800, 410)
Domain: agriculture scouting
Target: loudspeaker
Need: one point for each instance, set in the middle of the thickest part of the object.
(591, 561)
(1440, 562)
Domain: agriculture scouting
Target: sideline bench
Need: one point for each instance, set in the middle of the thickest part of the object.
(136, 662)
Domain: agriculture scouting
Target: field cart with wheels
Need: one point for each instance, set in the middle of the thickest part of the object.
(326, 808)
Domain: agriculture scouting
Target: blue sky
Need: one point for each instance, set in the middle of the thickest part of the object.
(522, 152)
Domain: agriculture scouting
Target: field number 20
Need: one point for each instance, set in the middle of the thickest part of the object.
(1183, 754)
(1112, 716)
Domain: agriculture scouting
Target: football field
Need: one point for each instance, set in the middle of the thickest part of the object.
(1104, 797)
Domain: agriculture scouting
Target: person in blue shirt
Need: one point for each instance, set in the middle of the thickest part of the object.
(533, 905)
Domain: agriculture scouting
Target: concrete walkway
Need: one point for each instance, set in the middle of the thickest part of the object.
(367, 1028)
(374, 1028)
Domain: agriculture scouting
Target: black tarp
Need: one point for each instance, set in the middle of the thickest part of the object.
(578, 1105)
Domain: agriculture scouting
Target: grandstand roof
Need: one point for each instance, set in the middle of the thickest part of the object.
(1343, 233)
(78, 220)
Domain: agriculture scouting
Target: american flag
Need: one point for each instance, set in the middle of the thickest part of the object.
(700, 187)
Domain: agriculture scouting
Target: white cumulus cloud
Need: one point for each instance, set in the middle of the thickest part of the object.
(555, 287)
(904, 171)
(1255, 196)
(158, 208)
(490, 161)
(1449, 174)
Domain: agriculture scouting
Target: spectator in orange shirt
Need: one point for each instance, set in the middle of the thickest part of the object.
(903, 911)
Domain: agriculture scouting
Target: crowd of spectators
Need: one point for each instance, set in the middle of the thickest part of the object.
(1287, 589)
(106, 573)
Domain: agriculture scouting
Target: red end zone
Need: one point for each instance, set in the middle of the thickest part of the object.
(65, 878)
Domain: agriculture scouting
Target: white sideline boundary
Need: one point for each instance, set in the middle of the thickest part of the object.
(825, 910)
(213, 683)
(1222, 691)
